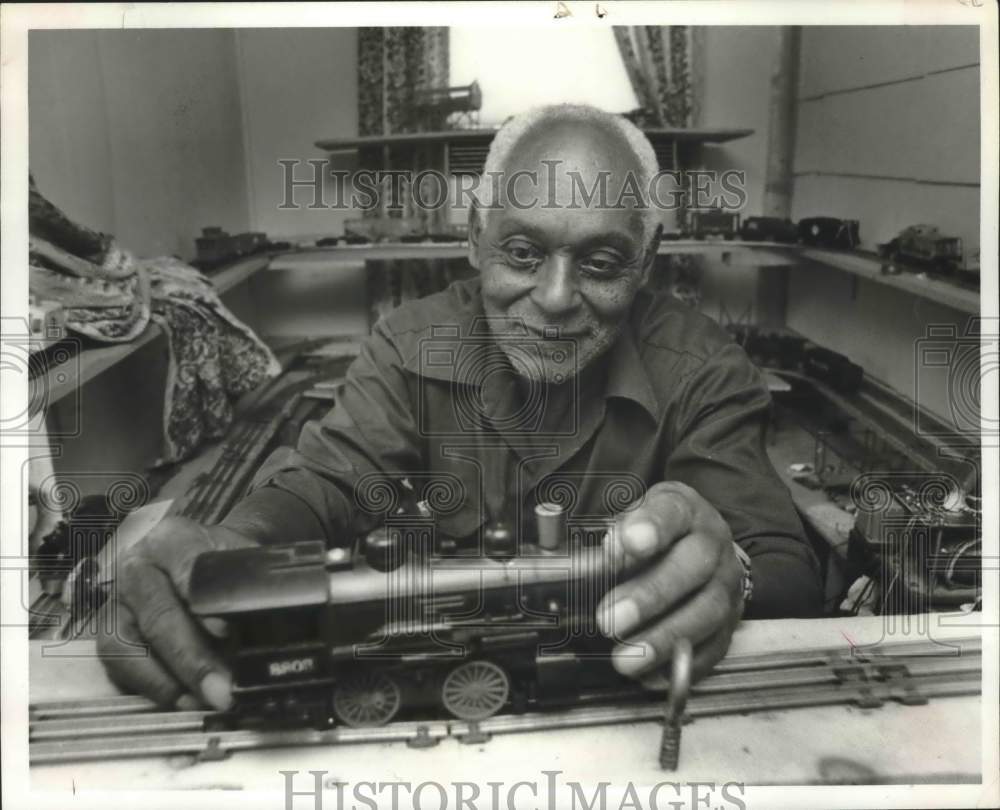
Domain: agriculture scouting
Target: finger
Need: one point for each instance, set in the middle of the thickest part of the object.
(173, 546)
(666, 513)
(216, 627)
(706, 656)
(707, 612)
(710, 652)
(667, 582)
(165, 623)
(188, 703)
(131, 665)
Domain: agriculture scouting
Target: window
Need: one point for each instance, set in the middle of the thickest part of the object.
(520, 68)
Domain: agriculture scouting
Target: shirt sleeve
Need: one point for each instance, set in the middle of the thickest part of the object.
(310, 491)
(719, 450)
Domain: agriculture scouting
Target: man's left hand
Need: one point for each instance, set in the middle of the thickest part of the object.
(679, 578)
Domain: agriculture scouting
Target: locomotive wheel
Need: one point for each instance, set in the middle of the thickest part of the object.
(366, 699)
(475, 690)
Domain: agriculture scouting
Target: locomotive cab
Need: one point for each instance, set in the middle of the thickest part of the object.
(274, 602)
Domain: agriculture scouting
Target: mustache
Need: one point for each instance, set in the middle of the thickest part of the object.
(520, 328)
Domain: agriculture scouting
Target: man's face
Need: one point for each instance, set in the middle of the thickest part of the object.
(568, 274)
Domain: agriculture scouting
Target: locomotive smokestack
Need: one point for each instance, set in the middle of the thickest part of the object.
(550, 519)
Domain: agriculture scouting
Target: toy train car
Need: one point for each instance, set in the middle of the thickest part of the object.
(769, 229)
(926, 246)
(833, 368)
(396, 229)
(215, 246)
(396, 626)
(829, 232)
(714, 222)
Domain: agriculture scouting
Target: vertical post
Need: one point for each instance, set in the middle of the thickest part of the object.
(781, 129)
(772, 282)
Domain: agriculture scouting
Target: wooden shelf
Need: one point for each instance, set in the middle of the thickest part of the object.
(469, 136)
(869, 267)
(237, 273)
(737, 253)
(65, 378)
(387, 251)
(756, 254)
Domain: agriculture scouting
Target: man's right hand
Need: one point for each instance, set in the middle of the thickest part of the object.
(148, 641)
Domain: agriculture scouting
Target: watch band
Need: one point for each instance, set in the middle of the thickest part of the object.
(744, 559)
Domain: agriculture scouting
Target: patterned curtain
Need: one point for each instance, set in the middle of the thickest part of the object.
(664, 68)
(658, 60)
(393, 64)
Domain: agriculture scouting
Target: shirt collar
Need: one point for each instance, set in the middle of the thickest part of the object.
(627, 376)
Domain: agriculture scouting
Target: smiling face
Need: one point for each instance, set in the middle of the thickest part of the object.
(568, 274)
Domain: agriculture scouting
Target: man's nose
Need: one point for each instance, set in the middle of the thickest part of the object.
(556, 291)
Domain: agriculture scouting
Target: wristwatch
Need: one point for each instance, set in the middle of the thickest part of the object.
(744, 559)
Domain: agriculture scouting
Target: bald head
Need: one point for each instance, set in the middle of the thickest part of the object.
(573, 155)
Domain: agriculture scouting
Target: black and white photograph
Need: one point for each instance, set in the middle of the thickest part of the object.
(489, 405)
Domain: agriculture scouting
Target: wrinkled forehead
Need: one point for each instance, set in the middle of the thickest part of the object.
(571, 172)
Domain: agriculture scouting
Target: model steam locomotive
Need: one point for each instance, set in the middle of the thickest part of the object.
(408, 622)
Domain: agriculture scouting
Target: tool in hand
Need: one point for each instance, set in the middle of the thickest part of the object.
(673, 717)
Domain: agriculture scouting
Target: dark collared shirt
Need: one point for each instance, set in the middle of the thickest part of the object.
(432, 399)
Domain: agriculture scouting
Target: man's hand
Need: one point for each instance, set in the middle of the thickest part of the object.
(148, 641)
(680, 578)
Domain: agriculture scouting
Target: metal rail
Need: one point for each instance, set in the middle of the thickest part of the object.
(127, 726)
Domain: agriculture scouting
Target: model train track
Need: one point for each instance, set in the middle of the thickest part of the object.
(127, 726)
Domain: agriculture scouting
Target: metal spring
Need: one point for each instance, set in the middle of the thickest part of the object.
(670, 746)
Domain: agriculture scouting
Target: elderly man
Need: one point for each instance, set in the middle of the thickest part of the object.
(553, 364)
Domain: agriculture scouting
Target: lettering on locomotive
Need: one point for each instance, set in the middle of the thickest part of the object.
(292, 666)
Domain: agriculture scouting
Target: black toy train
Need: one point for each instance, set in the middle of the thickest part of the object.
(918, 248)
(829, 232)
(407, 623)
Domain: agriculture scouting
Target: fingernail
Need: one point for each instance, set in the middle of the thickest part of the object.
(620, 619)
(187, 703)
(217, 690)
(629, 659)
(641, 536)
(217, 627)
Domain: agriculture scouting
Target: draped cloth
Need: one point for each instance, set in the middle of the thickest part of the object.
(110, 296)
(660, 63)
(214, 357)
(393, 63)
(663, 64)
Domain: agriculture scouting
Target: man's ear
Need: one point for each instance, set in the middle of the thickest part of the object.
(475, 232)
(652, 250)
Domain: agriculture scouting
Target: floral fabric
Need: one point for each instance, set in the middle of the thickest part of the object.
(110, 296)
(214, 357)
(658, 62)
(393, 63)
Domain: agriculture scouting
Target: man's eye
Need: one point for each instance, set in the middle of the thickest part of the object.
(602, 264)
(523, 253)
